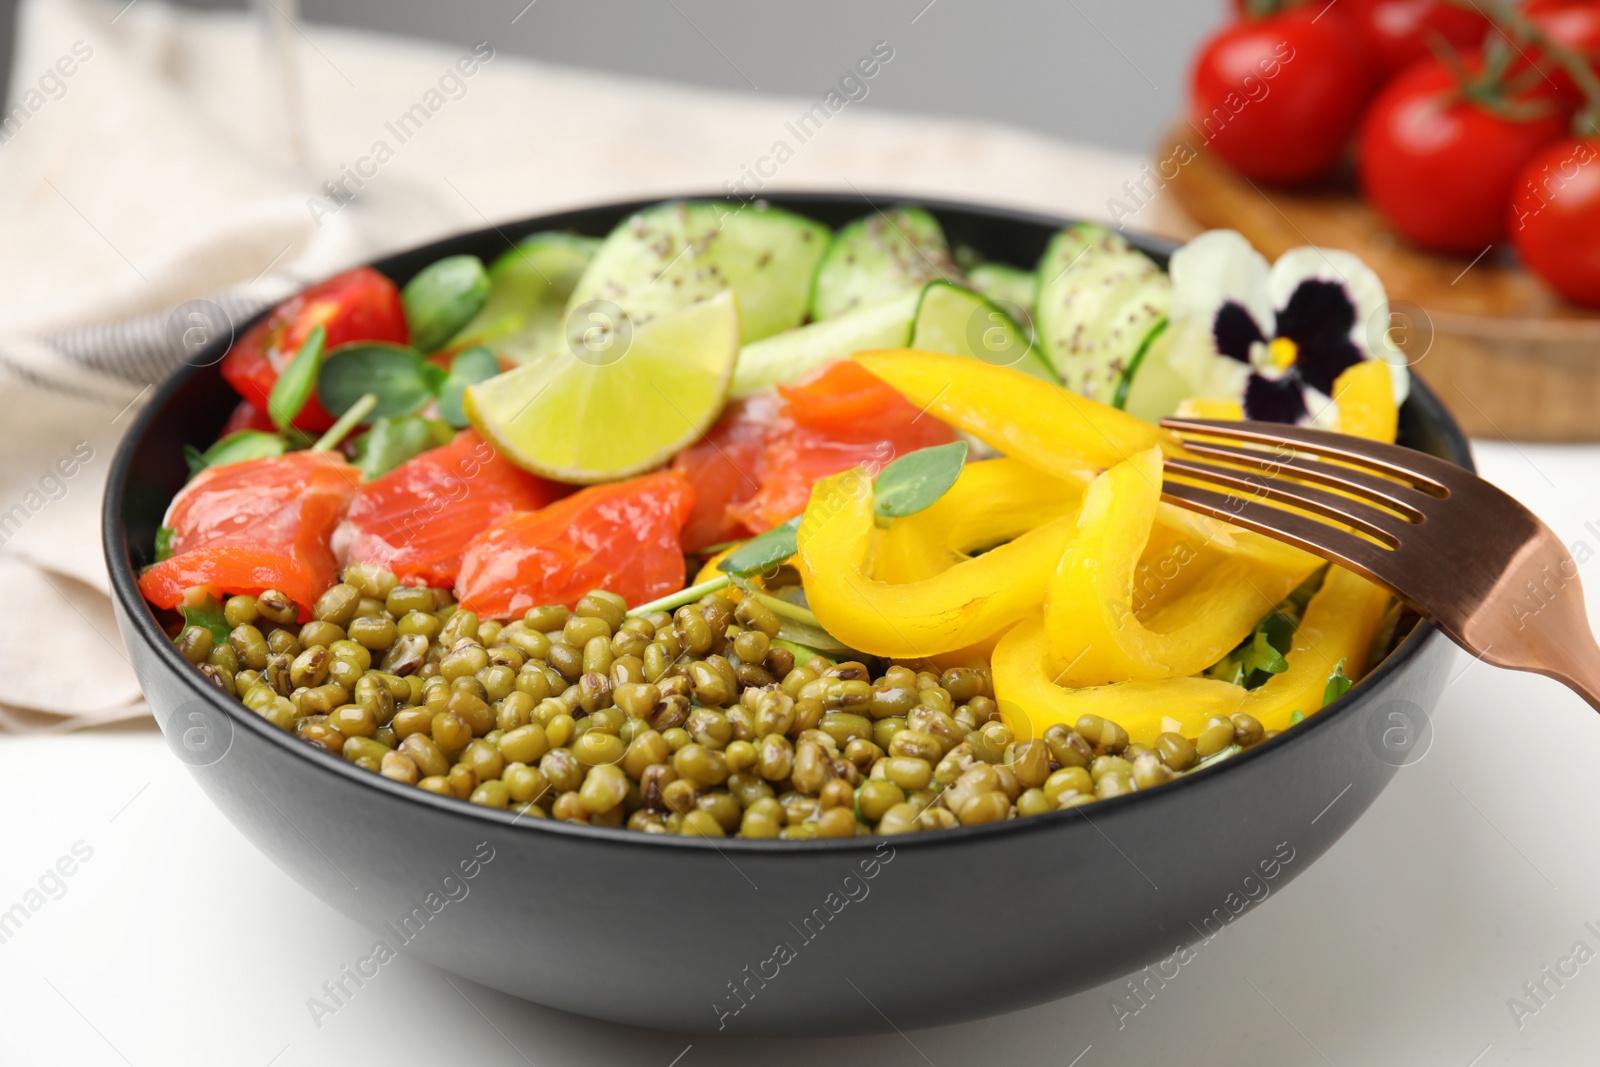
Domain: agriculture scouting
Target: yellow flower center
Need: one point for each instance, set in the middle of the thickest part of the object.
(1282, 352)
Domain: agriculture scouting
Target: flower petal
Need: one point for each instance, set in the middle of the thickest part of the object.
(1217, 268)
(1235, 332)
(1369, 328)
(1269, 401)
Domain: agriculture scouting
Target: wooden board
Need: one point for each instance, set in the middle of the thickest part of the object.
(1510, 358)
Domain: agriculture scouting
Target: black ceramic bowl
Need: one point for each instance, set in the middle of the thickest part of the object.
(758, 937)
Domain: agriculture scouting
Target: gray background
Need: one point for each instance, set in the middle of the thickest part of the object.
(1107, 72)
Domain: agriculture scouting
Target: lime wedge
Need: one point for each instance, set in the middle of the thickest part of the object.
(611, 399)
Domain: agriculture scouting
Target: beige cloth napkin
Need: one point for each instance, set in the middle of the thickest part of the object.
(145, 165)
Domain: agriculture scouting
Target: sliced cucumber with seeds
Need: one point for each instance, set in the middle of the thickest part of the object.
(964, 323)
(1098, 299)
(790, 356)
(1153, 389)
(528, 287)
(879, 257)
(1013, 288)
(670, 256)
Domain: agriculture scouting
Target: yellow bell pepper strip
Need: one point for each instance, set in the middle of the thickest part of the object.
(961, 606)
(1365, 396)
(1056, 431)
(1092, 615)
(993, 501)
(1030, 700)
(1340, 624)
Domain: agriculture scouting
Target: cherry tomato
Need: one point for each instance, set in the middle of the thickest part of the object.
(359, 305)
(417, 520)
(255, 525)
(725, 469)
(1278, 97)
(1440, 167)
(1397, 33)
(1576, 25)
(1555, 218)
(624, 537)
(247, 417)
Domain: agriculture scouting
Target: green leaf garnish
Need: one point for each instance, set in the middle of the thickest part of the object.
(683, 596)
(392, 441)
(1338, 684)
(1296, 717)
(207, 613)
(1261, 656)
(397, 374)
(443, 298)
(234, 448)
(914, 481)
(763, 552)
(294, 386)
(477, 364)
(163, 544)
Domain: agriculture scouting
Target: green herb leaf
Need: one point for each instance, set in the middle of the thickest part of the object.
(1338, 684)
(397, 374)
(392, 441)
(763, 552)
(163, 544)
(207, 613)
(234, 448)
(444, 298)
(475, 365)
(1261, 656)
(683, 596)
(294, 386)
(914, 481)
(1296, 717)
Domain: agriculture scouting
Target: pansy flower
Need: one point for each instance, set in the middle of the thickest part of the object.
(1276, 338)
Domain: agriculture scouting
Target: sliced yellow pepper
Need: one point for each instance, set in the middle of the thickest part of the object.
(961, 606)
(993, 501)
(1092, 614)
(1365, 396)
(1340, 625)
(1058, 432)
(1031, 701)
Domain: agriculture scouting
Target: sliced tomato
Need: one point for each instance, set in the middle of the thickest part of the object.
(256, 525)
(247, 417)
(724, 468)
(417, 520)
(359, 305)
(842, 417)
(624, 537)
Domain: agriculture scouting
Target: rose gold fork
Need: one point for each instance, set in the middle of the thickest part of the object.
(1491, 575)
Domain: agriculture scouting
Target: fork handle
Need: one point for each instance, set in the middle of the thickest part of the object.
(1548, 635)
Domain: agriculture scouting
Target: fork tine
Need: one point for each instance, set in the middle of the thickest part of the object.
(1369, 520)
(1394, 495)
(1428, 473)
(1320, 539)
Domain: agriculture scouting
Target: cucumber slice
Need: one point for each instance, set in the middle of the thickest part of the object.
(878, 257)
(1098, 299)
(964, 323)
(790, 356)
(1153, 388)
(672, 255)
(1014, 289)
(528, 287)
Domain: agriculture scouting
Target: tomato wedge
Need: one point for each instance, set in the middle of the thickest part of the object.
(417, 520)
(724, 468)
(256, 525)
(358, 305)
(840, 418)
(624, 537)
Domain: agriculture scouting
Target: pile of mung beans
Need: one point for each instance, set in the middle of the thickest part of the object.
(689, 722)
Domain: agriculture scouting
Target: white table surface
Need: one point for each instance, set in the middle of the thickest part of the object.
(177, 943)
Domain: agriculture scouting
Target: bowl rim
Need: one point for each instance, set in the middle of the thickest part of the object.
(141, 620)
